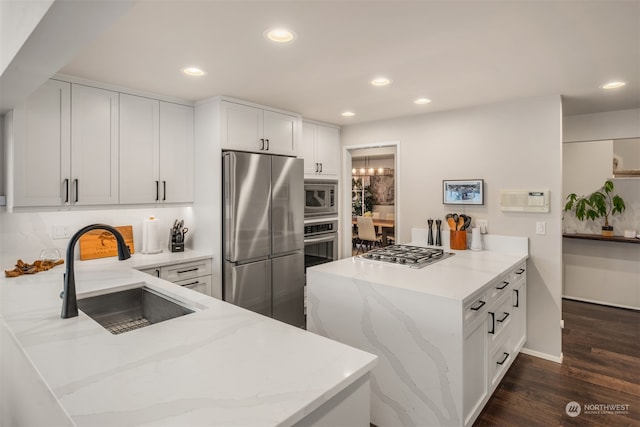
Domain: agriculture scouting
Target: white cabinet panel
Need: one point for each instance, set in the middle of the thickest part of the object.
(320, 150)
(42, 144)
(279, 132)
(94, 146)
(247, 128)
(176, 153)
(139, 149)
(241, 127)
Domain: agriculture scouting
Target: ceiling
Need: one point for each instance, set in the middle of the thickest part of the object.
(458, 54)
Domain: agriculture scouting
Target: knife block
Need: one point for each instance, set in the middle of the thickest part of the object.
(458, 239)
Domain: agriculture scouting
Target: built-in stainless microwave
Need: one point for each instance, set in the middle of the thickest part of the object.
(320, 198)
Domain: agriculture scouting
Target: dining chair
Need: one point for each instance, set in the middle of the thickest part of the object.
(367, 233)
(391, 237)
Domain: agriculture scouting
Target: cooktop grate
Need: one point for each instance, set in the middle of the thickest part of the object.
(410, 256)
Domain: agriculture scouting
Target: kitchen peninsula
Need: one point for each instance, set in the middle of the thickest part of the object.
(445, 334)
(220, 365)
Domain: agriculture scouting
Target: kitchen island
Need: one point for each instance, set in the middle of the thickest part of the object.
(445, 334)
(220, 365)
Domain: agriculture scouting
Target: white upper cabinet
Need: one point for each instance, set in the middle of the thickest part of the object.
(176, 153)
(320, 149)
(139, 149)
(94, 146)
(80, 145)
(248, 128)
(41, 142)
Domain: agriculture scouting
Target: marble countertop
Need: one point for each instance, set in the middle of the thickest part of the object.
(220, 365)
(457, 277)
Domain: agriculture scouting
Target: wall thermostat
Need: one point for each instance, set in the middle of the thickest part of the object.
(524, 200)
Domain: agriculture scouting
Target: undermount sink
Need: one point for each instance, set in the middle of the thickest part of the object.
(131, 309)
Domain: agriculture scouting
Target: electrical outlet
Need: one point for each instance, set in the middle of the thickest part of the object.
(482, 224)
(61, 232)
(541, 228)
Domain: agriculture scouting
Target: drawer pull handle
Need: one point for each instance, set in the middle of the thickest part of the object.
(505, 356)
(478, 305)
(192, 283)
(503, 317)
(157, 270)
(493, 323)
(188, 270)
(520, 271)
(502, 285)
(517, 304)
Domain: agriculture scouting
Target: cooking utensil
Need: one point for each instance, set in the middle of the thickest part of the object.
(451, 221)
(467, 222)
(460, 223)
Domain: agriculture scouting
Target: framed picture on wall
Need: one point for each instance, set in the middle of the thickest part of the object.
(463, 192)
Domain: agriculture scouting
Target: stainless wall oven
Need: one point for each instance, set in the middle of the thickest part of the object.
(320, 241)
(320, 198)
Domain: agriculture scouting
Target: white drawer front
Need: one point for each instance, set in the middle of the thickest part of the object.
(199, 284)
(187, 270)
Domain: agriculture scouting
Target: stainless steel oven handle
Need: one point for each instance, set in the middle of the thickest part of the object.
(321, 239)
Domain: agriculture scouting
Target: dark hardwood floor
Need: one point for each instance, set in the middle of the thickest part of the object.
(601, 366)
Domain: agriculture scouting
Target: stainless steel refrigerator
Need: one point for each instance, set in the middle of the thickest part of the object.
(263, 227)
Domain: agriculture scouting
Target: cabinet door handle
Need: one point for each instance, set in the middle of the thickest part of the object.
(157, 270)
(502, 285)
(164, 193)
(157, 190)
(75, 184)
(261, 144)
(66, 190)
(503, 317)
(493, 323)
(267, 140)
(517, 304)
(197, 282)
(505, 356)
(320, 167)
(478, 306)
(188, 270)
(520, 271)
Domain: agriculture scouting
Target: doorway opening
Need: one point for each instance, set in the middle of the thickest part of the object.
(371, 190)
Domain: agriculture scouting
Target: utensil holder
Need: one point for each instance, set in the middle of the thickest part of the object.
(458, 239)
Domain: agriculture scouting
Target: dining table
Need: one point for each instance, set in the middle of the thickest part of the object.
(386, 226)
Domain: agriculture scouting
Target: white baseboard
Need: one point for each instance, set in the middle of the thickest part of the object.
(557, 359)
(630, 307)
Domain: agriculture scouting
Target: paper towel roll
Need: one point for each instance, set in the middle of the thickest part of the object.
(150, 243)
(476, 239)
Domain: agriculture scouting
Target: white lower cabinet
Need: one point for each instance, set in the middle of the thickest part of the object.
(194, 275)
(495, 331)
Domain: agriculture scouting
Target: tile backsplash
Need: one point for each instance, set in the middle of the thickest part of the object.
(24, 234)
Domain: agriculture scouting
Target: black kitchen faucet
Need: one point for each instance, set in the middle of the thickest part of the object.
(68, 295)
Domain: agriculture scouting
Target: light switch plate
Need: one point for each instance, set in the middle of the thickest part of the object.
(541, 228)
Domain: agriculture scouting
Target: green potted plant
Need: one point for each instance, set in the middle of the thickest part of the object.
(599, 204)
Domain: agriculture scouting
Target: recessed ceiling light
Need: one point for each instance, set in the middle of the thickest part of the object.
(613, 85)
(422, 101)
(348, 114)
(279, 35)
(380, 81)
(193, 71)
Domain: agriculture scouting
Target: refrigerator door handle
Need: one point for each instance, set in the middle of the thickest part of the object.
(229, 191)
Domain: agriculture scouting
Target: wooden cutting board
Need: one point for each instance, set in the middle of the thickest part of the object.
(102, 244)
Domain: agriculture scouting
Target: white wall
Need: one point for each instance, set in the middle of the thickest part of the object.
(596, 271)
(586, 166)
(599, 126)
(25, 234)
(511, 145)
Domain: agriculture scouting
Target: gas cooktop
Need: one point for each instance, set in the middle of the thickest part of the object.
(410, 256)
